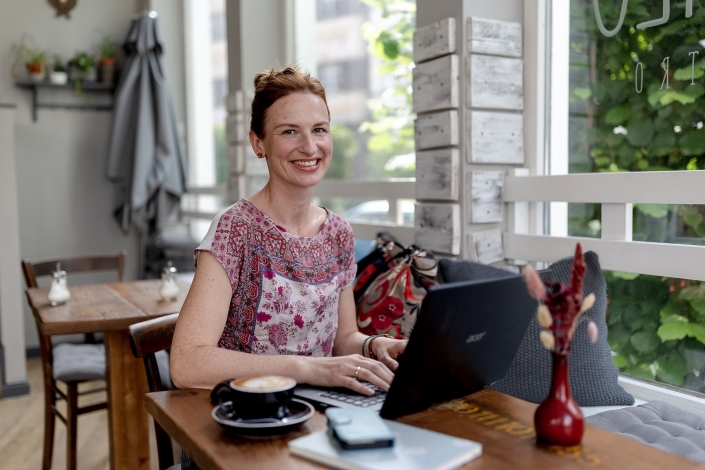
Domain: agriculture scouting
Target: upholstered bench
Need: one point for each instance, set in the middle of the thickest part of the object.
(660, 425)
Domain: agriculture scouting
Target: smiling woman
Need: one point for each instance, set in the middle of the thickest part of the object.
(272, 291)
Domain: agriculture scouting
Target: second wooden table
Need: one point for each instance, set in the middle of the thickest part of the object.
(111, 309)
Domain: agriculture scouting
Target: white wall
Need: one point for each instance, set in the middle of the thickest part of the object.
(65, 203)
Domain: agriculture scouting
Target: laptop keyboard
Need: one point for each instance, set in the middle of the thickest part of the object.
(355, 398)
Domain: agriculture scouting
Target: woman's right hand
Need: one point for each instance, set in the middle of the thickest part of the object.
(340, 371)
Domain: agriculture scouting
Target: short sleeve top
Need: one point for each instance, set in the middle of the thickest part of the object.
(286, 288)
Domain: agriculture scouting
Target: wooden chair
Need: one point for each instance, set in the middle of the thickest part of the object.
(148, 339)
(75, 363)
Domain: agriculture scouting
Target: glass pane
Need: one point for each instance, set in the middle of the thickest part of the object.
(363, 55)
(636, 104)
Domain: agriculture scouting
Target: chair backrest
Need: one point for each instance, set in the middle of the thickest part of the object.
(146, 339)
(74, 264)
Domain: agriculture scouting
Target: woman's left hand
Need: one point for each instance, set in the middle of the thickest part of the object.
(388, 351)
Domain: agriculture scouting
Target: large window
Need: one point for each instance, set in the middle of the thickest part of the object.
(207, 89)
(363, 57)
(635, 104)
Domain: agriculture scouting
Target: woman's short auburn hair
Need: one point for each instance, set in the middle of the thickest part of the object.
(271, 85)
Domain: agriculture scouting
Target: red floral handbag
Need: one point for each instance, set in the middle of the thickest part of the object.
(391, 282)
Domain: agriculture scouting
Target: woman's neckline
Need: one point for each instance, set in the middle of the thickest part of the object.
(284, 230)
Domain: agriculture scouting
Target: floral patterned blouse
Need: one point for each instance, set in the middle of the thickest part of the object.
(286, 288)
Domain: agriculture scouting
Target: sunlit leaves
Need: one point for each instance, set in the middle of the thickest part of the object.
(657, 211)
(617, 115)
(640, 132)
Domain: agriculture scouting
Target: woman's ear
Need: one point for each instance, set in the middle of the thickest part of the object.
(257, 144)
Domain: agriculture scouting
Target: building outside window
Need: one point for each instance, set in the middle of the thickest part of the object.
(635, 104)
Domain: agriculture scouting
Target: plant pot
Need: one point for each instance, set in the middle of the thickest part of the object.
(559, 420)
(36, 72)
(58, 78)
(107, 70)
(76, 73)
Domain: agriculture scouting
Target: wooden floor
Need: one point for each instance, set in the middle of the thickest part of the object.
(22, 431)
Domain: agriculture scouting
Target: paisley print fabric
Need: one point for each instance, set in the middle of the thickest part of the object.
(286, 288)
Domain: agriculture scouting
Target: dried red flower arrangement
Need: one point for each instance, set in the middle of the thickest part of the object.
(561, 308)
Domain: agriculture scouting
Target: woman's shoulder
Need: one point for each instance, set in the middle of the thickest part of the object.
(226, 221)
(242, 212)
(338, 224)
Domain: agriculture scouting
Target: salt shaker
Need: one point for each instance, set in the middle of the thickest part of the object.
(59, 292)
(169, 290)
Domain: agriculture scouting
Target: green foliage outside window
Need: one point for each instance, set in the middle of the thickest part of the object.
(391, 141)
(345, 147)
(656, 325)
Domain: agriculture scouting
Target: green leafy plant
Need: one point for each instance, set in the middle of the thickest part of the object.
(83, 61)
(392, 125)
(27, 54)
(108, 48)
(656, 325)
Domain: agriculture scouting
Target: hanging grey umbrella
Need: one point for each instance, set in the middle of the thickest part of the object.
(146, 160)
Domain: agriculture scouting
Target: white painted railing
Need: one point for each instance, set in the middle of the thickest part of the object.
(392, 190)
(616, 192)
(190, 204)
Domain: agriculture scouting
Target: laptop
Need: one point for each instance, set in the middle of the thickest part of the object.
(466, 337)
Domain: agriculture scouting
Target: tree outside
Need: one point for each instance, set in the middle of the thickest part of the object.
(391, 128)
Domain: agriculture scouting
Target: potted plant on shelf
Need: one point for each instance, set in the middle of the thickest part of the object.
(30, 57)
(107, 64)
(58, 74)
(82, 67)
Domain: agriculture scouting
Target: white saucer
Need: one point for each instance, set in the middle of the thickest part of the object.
(299, 411)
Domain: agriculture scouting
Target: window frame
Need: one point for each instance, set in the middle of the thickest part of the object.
(547, 183)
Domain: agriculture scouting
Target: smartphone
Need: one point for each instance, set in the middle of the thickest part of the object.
(358, 428)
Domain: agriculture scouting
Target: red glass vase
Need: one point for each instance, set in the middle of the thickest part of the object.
(559, 420)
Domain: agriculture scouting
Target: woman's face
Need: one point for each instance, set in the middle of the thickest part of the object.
(297, 140)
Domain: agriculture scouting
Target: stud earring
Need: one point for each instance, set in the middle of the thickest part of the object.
(259, 155)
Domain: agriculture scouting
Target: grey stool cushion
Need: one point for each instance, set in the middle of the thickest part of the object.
(593, 377)
(79, 362)
(658, 424)
(162, 358)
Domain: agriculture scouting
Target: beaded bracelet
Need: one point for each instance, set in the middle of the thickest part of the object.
(363, 345)
(372, 354)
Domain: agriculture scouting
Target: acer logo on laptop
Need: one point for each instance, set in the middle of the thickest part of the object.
(475, 337)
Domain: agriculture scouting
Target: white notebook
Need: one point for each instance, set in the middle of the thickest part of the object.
(414, 448)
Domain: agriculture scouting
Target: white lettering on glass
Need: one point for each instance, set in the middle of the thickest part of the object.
(664, 66)
(662, 20)
(601, 25)
(640, 84)
(692, 70)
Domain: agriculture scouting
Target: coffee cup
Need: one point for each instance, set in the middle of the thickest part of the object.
(255, 397)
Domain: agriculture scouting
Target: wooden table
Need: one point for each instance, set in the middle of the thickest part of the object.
(111, 309)
(503, 424)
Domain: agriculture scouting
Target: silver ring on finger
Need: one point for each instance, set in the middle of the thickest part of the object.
(357, 372)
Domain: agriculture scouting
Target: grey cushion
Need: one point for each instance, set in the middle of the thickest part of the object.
(162, 358)
(660, 425)
(593, 377)
(79, 362)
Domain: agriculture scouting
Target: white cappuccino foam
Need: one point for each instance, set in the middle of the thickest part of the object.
(265, 383)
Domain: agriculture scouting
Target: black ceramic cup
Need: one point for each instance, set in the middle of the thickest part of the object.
(255, 397)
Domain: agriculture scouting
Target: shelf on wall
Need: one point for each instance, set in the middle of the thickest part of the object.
(86, 87)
